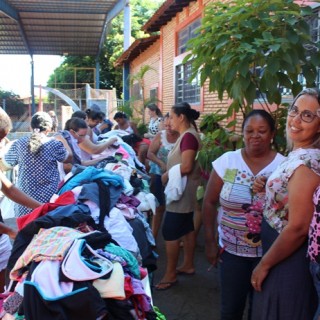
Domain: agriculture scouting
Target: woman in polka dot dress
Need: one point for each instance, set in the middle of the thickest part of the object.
(37, 157)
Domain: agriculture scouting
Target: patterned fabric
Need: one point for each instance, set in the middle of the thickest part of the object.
(153, 127)
(48, 244)
(276, 211)
(38, 173)
(314, 230)
(240, 211)
(162, 154)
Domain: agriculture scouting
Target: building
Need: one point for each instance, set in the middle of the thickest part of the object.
(175, 22)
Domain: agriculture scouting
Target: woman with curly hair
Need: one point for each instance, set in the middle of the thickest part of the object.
(37, 156)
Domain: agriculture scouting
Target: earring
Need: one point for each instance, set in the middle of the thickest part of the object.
(271, 141)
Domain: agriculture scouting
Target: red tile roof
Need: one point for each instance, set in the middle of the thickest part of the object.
(136, 49)
(164, 14)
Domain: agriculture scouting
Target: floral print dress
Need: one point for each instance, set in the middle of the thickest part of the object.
(240, 211)
(276, 211)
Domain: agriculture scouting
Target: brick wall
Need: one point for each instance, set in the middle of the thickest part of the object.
(162, 56)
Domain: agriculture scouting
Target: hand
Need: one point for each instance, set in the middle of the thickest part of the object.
(213, 254)
(12, 234)
(259, 184)
(259, 274)
(165, 178)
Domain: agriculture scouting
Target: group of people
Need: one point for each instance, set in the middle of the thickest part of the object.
(258, 208)
(261, 206)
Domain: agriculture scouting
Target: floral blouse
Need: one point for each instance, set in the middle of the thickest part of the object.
(314, 230)
(240, 211)
(276, 210)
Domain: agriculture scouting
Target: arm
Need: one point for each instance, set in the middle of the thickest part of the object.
(134, 128)
(188, 158)
(4, 229)
(209, 217)
(16, 194)
(65, 144)
(295, 232)
(93, 148)
(153, 150)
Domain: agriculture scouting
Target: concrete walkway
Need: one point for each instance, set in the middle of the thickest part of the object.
(194, 297)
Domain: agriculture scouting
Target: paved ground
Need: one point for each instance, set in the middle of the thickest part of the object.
(194, 297)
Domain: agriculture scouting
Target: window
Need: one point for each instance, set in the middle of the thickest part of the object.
(154, 94)
(185, 90)
(137, 91)
(186, 34)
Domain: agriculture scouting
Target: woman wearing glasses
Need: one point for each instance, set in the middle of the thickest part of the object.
(37, 157)
(283, 284)
(72, 137)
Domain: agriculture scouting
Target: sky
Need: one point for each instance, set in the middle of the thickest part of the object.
(15, 72)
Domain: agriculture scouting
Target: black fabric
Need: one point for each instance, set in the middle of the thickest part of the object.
(82, 305)
(104, 199)
(149, 260)
(119, 309)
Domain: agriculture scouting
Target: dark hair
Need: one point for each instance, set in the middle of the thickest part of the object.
(131, 139)
(79, 114)
(263, 114)
(75, 124)
(120, 115)
(154, 107)
(94, 114)
(185, 109)
(40, 122)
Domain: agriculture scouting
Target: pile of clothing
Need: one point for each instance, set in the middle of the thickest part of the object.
(88, 253)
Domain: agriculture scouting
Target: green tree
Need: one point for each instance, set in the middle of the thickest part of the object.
(13, 104)
(110, 77)
(244, 48)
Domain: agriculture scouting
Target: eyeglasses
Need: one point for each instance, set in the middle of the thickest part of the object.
(305, 115)
(79, 135)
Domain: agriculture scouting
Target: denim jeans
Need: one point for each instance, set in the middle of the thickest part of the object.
(235, 275)
(315, 272)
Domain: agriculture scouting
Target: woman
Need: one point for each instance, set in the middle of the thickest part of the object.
(16, 195)
(124, 124)
(155, 120)
(314, 247)
(282, 281)
(74, 134)
(239, 248)
(178, 222)
(37, 157)
(159, 149)
(88, 148)
(94, 117)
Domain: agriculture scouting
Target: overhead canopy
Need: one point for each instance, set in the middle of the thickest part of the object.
(55, 27)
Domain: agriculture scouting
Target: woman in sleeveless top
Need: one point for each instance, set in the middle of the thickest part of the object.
(178, 221)
(124, 124)
(159, 149)
(282, 282)
(155, 121)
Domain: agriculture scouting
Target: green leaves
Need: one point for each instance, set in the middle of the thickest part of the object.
(239, 38)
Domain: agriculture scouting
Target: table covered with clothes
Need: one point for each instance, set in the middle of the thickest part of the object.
(88, 253)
